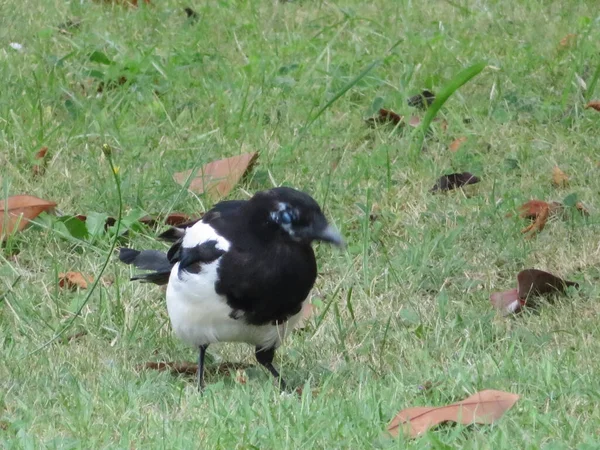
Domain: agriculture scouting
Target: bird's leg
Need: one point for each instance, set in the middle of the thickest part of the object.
(201, 367)
(265, 358)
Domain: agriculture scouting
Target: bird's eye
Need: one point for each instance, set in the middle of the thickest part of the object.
(285, 218)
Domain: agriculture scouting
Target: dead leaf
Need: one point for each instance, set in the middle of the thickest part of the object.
(218, 178)
(454, 180)
(594, 104)
(173, 219)
(484, 407)
(191, 14)
(74, 280)
(539, 223)
(422, 100)
(538, 282)
(385, 116)
(241, 377)
(582, 209)
(307, 312)
(457, 143)
(508, 302)
(530, 282)
(18, 210)
(533, 208)
(559, 178)
(41, 161)
(567, 41)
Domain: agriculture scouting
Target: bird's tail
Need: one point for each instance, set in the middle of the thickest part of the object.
(152, 260)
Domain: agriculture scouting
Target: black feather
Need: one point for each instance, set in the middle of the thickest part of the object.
(148, 260)
(191, 259)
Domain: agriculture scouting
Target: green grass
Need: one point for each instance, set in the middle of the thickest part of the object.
(406, 303)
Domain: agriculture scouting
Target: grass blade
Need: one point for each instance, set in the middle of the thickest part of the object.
(455, 83)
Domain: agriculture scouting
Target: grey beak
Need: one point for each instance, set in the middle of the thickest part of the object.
(331, 235)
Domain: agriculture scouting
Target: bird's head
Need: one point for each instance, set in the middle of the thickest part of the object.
(294, 215)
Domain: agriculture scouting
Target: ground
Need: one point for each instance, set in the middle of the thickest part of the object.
(403, 315)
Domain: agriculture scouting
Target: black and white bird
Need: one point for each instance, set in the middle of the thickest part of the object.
(240, 274)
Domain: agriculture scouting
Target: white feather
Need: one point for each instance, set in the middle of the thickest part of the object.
(200, 316)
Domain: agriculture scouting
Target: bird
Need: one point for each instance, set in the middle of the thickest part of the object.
(241, 273)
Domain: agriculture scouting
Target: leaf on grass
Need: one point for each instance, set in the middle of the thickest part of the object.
(567, 41)
(41, 158)
(539, 282)
(539, 223)
(191, 14)
(484, 407)
(559, 178)
(422, 100)
(74, 280)
(507, 302)
(594, 104)
(385, 116)
(533, 208)
(530, 282)
(582, 209)
(218, 178)
(457, 143)
(454, 180)
(18, 210)
(307, 312)
(173, 219)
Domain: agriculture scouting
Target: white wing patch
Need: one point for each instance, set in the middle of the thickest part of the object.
(201, 232)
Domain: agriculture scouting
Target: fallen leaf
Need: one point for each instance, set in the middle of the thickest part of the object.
(567, 41)
(218, 178)
(457, 143)
(191, 14)
(307, 311)
(538, 282)
(241, 377)
(530, 282)
(74, 280)
(385, 116)
(414, 121)
(594, 104)
(508, 302)
(533, 208)
(454, 180)
(582, 209)
(422, 100)
(484, 407)
(539, 223)
(559, 178)
(42, 160)
(173, 219)
(18, 210)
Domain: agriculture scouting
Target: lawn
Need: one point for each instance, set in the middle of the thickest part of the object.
(403, 316)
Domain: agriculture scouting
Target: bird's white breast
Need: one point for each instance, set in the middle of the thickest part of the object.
(200, 316)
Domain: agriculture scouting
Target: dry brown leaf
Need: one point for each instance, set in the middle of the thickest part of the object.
(582, 209)
(385, 116)
(533, 208)
(18, 210)
(218, 178)
(559, 178)
(539, 223)
(457, 143)
(530, 282)
(74, 280)
(307, 311)
(484, 407)
(567, 41)
(594, 104)
(41, 158)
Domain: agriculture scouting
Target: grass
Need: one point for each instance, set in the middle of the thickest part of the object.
(407, 303)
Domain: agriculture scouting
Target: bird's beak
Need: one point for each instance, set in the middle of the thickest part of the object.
(331, 235)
